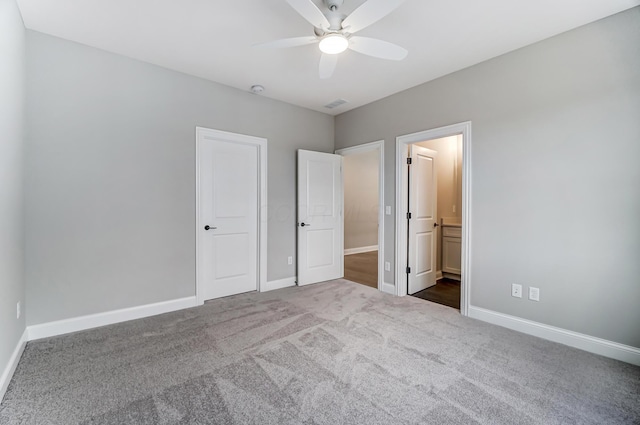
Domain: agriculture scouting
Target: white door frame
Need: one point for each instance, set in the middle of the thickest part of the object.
(402, 147)
(261, 143)
(367, 147)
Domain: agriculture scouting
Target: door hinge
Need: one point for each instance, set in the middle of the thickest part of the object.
(408, 270)
(409, 161)
(408, 216)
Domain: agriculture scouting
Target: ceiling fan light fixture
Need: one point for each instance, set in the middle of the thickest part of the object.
(333, 44)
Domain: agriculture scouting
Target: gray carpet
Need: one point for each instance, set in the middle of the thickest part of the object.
(331, 353)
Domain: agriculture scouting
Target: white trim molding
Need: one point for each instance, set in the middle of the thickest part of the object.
(584, 342)
(451, 276)
(388, 288)
(279, 284)
(358, 149)
(81, 323)
(360, 250)
(402, 149)
(10, 369)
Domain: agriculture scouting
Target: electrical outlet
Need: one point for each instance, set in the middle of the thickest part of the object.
(454, 208)
(387, 210)
(18, 310)
(387, 266)
(289, 260)
(516, 290)
(534, 293)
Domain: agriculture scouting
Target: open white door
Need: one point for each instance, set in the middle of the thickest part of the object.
(320, 220)
(230, 187)
(422, 221)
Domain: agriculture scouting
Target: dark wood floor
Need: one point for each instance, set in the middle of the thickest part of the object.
(362, 268)
(445, 291)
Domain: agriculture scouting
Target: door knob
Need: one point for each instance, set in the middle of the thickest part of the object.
(207, 227)
(435, 225)
(304, 224)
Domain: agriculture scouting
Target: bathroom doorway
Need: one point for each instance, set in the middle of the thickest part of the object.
(447, 215)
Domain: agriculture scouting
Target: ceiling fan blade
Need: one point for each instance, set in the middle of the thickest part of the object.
(309, 11)
(368, 13)
(288, 42)
(327, 65)
(377, 48)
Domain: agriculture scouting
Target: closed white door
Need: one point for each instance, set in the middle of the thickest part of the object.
(320, 221)
(228, 216)
(422, 222)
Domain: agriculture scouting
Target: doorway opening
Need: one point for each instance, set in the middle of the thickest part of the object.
(433, 210)
(363, 173)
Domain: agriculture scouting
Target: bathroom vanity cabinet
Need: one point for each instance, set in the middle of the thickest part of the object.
(451, 249)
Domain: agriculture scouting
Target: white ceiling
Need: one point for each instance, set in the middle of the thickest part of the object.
(213, 39)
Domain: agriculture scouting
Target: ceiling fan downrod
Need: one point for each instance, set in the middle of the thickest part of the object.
(333, 5)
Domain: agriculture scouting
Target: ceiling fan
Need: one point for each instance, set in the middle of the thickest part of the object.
(334, 31)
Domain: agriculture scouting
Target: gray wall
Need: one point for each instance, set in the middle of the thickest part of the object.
(12, 64)
(361, 199)
(110, 177)
(555, 175)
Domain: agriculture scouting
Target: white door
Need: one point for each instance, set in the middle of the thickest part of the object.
(422, 223)
(320, 221)
(228, 215)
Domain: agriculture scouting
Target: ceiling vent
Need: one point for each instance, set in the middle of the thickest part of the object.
(335, 103)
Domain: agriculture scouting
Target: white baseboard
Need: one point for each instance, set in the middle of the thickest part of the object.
(584, 342)
(438, 275)
(388, 288)
(8, 371)
(279, 284)
(452, 276)
(360, 250)
(81, 323)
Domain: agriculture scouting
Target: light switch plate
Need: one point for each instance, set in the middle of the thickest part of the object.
(387, 210)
